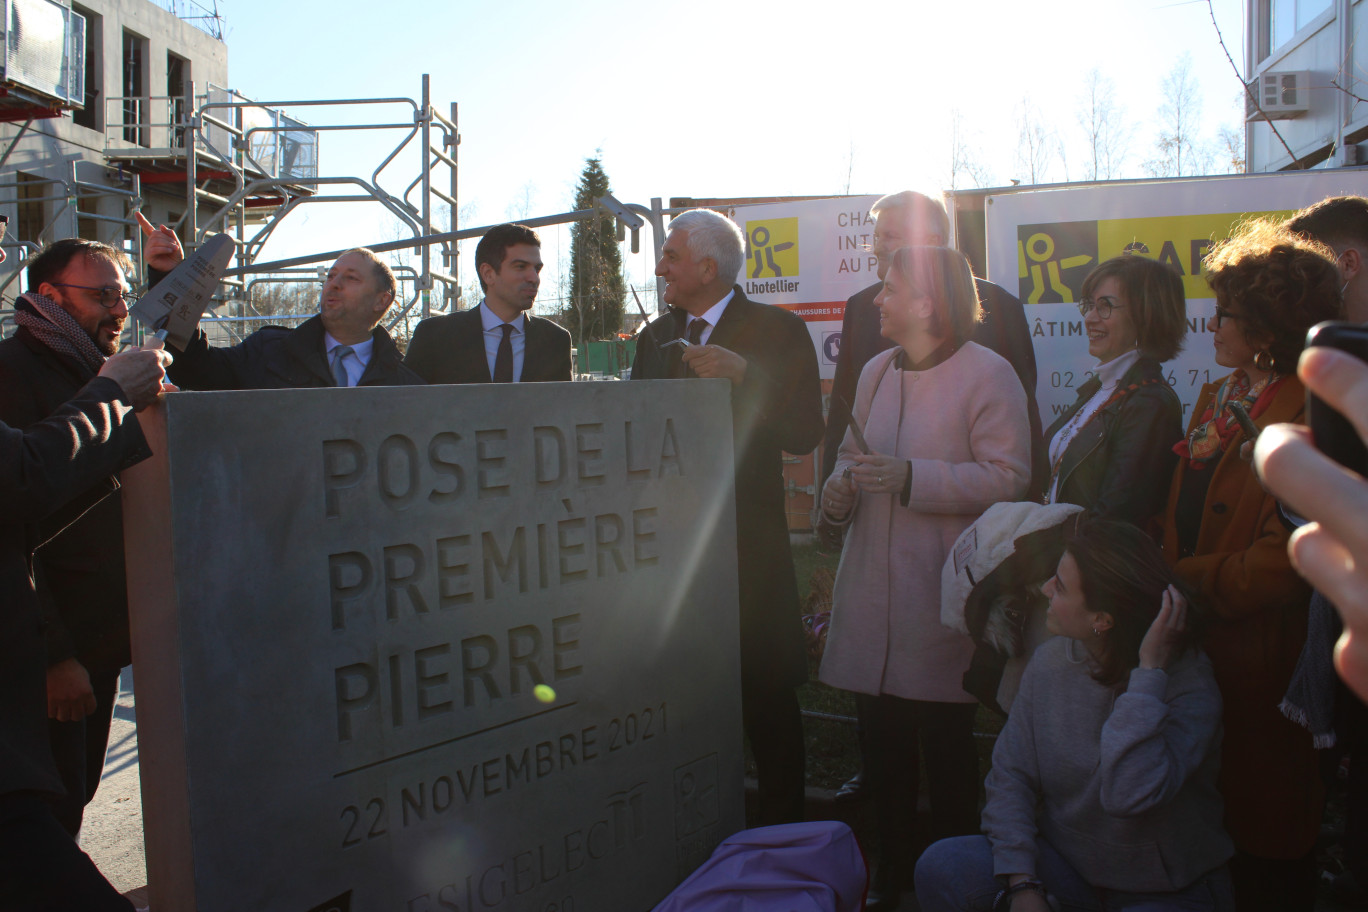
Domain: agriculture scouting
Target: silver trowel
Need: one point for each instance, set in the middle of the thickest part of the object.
(178, 301)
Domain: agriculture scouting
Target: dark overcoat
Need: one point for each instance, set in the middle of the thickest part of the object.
(80, 572)
(776, 409)
(275, 357)
(450, 349)
(42, 468)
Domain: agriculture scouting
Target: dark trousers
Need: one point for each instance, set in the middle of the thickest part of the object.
(1353, 729)
(894, 728)
(41, 867)
(774, 727)
(79, 751)
(1273, 884)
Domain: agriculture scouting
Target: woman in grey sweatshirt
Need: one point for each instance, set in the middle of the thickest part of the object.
(1103, 789)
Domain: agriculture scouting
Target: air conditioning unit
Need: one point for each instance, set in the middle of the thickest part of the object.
(1281, 94)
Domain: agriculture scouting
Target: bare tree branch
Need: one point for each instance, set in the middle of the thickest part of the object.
(1253, 99)
(964, 155)
(1353, 95)
(1037, 146)
(1106, 137)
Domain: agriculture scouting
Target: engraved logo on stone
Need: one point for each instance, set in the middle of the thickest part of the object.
(696, 812)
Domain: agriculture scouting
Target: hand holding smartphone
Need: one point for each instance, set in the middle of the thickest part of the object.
(1333, 434)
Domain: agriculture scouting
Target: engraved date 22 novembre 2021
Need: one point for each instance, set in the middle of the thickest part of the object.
(508, 771)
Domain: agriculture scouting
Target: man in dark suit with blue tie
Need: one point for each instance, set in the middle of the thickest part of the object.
(499, 341)
(344, 345)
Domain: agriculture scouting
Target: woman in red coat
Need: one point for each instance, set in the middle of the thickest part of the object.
(1224, 534)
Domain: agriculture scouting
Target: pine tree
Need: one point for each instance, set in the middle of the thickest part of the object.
(597, 290)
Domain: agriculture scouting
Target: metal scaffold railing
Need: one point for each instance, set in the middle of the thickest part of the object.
(246, 166)
(264, 157)
(57, 197)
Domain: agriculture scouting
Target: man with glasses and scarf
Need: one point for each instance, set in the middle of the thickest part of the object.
(69, 323)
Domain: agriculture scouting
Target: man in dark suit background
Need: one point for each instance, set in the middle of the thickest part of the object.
(767, 355)
(911, 219)
(344, 345)
(500, 340)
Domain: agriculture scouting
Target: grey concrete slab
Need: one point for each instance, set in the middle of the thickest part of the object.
(435, 647)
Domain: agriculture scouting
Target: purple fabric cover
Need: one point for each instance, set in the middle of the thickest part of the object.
(796, 867)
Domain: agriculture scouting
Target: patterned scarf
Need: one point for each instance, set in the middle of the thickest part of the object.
(57, 329)
(1213, 434)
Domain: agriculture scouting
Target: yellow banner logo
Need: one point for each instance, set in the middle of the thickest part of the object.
(772, 248)
(1180, 242)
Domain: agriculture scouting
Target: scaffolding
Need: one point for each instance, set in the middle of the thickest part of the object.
(246, 165)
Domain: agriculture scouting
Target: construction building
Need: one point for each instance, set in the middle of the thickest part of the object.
(112, 106)
(1306, 62)
(83, 150)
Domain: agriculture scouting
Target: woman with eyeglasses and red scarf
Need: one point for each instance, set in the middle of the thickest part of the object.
(1223, 533)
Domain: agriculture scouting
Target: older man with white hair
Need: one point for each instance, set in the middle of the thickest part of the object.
(776, 401)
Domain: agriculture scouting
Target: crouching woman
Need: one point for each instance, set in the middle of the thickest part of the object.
(1103, 789)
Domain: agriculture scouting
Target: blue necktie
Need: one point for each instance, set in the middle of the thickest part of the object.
(339, 370)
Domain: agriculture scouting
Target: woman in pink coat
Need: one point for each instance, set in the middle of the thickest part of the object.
(946, 428)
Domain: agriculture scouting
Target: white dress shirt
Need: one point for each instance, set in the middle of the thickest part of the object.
(712, 315)
(355, 363)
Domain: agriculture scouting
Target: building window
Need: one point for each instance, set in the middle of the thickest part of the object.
(177, 74)
(86, 226)
(135, 100)
(32, 207)
(91, 116)
(1287, 17)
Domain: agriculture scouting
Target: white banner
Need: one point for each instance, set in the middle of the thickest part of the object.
(1043, 243)
(809, 256)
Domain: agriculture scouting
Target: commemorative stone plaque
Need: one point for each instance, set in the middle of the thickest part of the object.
(435, 648)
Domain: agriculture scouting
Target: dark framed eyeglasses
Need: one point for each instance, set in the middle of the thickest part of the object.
(1103, 305)
(107, 295)
(1222, 315)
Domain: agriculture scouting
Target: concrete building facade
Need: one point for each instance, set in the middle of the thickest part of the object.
(73, 174)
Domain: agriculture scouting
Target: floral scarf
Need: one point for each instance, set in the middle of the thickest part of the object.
(1213, 434)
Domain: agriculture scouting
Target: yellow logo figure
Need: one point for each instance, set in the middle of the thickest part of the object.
(1038, 261)
(772, 248)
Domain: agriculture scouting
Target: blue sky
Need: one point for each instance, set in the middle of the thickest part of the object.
(716, 98)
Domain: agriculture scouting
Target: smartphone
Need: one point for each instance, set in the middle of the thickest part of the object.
(1333, 434)
(1251, 430)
